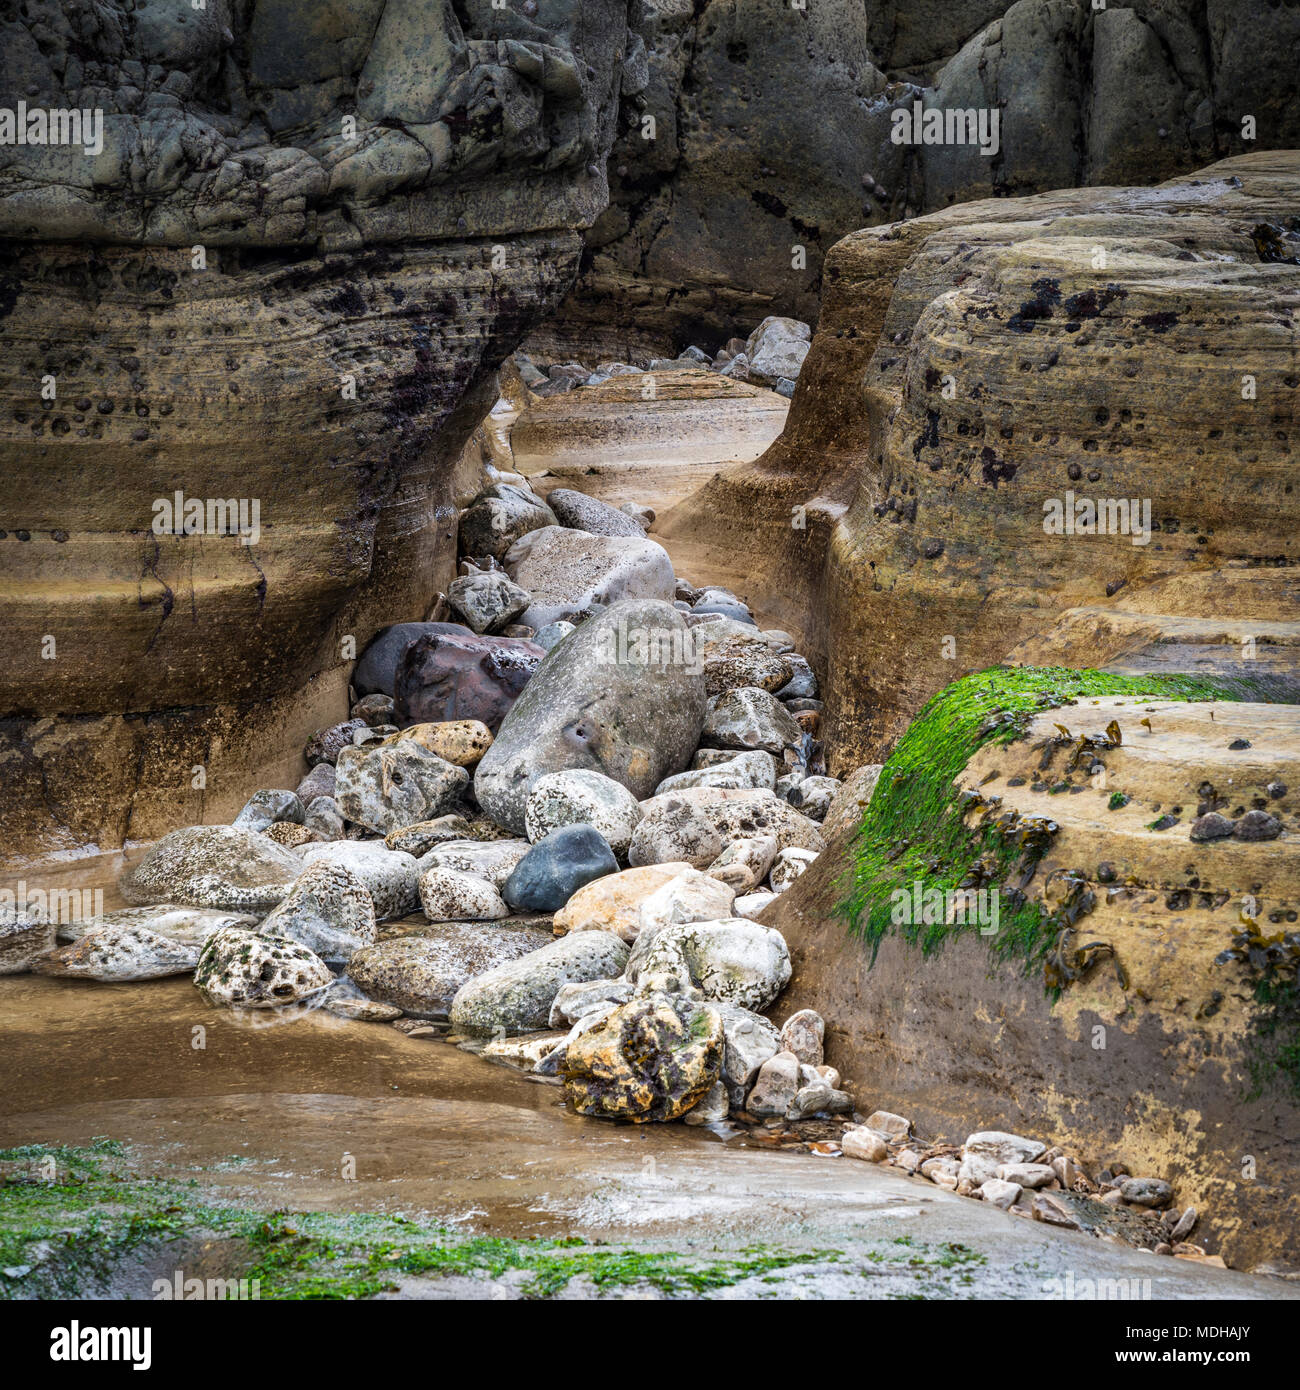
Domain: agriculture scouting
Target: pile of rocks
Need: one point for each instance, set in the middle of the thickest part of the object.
(1033, 1180)
(548, 823)
(771, 356)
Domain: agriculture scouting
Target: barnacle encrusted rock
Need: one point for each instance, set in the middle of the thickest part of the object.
(218, 866)
(245, 969)
(651, 1059)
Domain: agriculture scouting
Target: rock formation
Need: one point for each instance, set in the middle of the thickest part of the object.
(1124, 1014)
(278, 273)
(977, 372)
(760, 128)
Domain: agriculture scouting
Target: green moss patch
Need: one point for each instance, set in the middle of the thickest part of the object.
(913, 829)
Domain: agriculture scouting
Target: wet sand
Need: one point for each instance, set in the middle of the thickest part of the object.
(268, 1116)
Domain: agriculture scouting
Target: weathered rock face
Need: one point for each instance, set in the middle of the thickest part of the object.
(244, 298)
(710, 202)
(613, 697)
(1158, 1049)
(1007, 379)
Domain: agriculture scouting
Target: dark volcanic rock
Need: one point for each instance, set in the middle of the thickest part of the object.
(376, 671)
(445, 676)
(557, 866)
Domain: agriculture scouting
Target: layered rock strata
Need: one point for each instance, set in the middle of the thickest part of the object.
(978, 372)
(272, 283)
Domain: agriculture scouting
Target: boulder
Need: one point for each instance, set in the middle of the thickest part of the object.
(459, 741)
(775, 1086)
(570, 573)
(318, 782)
(790, 863)
(749, 905)
(516, 997)
(389, 876)
(818, 1097)
(421, 974)
(987, 1151)
(487, 600)
(650, 1059)
(749, 1041)
(613, 903)
(582, 796)
(813, 796)
(804, 1034)
(751, 718)
(457, 675)
(583, 513)
(689, 897)
(267, 807)
(733, 770)
(493, 860)
(744, 863)
(697, 824)
(245, 969)
(557, 866)
(777, 348)
(120, 953)
(189, 925)
(390, 785)
(376, 671)
(324, 820)
(447, 895)
(425, 835)
(866, 1144)
(733, 961)
(23, 939)
(218, 866)
(615, 697)
(499, 517)
(577, 1001)
(328, 910)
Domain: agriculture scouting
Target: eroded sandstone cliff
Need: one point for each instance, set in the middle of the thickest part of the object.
(281, 271)
(979, 367)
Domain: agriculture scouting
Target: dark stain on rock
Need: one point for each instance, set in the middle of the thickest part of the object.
(996, 470)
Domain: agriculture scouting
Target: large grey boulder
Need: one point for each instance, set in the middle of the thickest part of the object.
(618, 696)
(220, 866)
(376, 670)
(776, 349)
(499, 517)
(390, 785)
(328, 910)
(698, 823)
(114, 954)
(517, 997)
(421, 974)
(570, 573)
(583, 513)
(733, 961)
